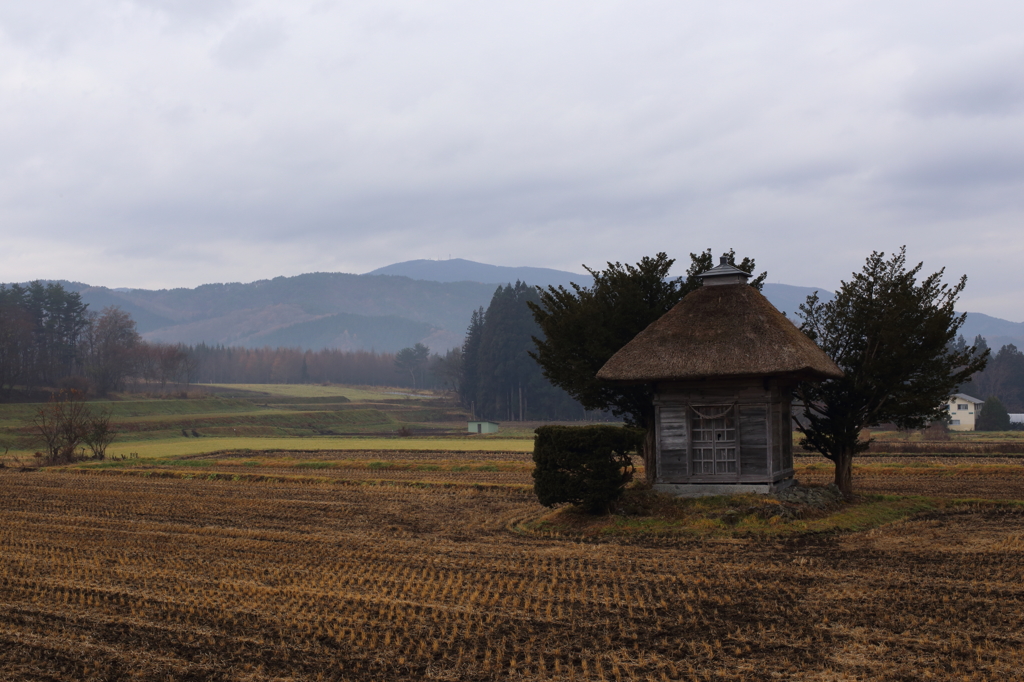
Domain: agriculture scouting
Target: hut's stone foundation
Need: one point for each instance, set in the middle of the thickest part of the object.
(709, 489)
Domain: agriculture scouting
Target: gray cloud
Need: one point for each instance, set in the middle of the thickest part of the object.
(249, 43)
(188, 14)
(176, 142)
(980, 82)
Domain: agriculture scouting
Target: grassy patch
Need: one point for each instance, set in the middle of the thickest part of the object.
(445, 462)
(353, 393)
(149, 449)
(19, 414)
(647, 513)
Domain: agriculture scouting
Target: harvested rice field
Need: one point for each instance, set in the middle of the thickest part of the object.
(945, 476)
(410, 566)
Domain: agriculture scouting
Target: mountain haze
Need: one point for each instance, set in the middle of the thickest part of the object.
(313, 311)
(460, 270)
(393, 307)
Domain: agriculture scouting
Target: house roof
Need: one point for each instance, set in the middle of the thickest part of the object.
(964, 396)
(719, 331)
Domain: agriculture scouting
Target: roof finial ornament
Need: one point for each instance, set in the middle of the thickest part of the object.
(724, 273)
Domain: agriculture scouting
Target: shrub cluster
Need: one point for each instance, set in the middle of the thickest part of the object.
(584, 465)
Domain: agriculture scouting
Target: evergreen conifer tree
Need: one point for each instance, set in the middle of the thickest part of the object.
(993, 417)
(891, 330)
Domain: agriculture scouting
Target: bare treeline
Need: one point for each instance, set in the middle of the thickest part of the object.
(49, 339)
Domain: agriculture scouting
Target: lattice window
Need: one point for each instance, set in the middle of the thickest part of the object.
(713, 440)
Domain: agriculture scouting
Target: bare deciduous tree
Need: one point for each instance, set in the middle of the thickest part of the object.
(65, 423)
(62, 424)
(100, 434)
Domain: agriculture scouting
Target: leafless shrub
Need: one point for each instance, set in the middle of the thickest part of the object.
(99, 434)
(65, 423)
(936, 431)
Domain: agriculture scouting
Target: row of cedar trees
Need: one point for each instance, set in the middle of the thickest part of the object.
(498, 377)
(50, 339)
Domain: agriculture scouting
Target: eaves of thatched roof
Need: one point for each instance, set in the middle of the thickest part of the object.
(716, 332)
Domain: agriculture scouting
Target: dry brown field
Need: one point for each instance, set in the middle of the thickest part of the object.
(324, 568)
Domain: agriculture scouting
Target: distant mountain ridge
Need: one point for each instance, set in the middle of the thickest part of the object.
(390, 308)
(461, 270)
(312, 311)
(785, 297)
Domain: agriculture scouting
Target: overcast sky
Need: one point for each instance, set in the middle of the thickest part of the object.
(161, 143)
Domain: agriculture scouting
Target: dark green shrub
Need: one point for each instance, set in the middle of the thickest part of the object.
(585, 465)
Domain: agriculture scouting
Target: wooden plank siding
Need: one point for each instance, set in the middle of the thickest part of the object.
(753, 427)
(763, 434)
(673, 443)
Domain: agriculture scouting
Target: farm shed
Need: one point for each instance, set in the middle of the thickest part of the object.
(723, 363)
(483, 427)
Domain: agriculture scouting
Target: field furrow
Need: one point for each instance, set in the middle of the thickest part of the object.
(127, 577)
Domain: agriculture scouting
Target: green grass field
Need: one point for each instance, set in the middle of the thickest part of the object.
(198, 446)
(278, 417)
(353, 393)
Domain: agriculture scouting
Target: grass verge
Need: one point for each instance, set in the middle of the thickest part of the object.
(646, 514)
(149, 449)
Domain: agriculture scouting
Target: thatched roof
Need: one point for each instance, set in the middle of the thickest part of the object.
(719, 331)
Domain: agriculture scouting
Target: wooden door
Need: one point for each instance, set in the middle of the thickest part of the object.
(713, 442)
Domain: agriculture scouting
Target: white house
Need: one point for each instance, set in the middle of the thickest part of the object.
(963, 411)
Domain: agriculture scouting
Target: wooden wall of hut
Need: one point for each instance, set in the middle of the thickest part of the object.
(724, 431)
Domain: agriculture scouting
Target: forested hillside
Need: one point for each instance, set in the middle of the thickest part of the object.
(314, 311)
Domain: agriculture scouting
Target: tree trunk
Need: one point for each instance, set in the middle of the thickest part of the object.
(650, 454)
(844, 471)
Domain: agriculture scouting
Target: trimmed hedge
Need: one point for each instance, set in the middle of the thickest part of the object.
(585, 465)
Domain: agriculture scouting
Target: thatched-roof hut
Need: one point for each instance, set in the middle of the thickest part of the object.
(723, 363)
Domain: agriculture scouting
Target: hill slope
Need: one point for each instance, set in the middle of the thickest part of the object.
(388, 309)
(312, 311)
(460, 270)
